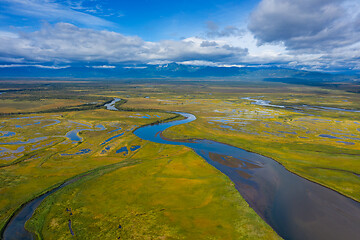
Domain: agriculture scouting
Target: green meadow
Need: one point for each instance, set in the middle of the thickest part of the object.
(166, 192)
(135, 189)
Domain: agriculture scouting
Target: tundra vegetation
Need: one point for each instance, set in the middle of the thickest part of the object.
(135, 189)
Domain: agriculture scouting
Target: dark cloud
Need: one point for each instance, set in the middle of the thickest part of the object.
(307, 24)
(208, 44)
(215, 31)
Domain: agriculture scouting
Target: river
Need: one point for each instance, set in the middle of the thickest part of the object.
(294, 207)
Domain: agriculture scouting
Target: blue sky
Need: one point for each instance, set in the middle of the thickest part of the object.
(304, 34)
(152, 20)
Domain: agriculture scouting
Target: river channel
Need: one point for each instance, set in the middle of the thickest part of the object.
(294, 207)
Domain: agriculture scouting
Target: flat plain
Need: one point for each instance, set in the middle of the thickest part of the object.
(136, 189)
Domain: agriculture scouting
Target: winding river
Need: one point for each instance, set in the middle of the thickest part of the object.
(15, 229)
(293, 206)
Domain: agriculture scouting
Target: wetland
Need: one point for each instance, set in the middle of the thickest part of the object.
(264, 162)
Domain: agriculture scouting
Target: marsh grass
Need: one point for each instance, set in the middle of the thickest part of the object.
(170, 193)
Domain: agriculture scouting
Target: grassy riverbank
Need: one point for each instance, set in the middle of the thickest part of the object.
(318, 144)
(55, 158)
(171, 194)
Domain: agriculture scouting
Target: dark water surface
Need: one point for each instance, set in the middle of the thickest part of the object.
(111, 138)
(73, 135)
(293, 206)
(15, 229)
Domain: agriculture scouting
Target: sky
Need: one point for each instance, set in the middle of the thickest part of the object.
(321, 35)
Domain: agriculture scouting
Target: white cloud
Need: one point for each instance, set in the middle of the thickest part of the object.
(52, 11)
(104, 66)
(307, 34)
(136, 67)
(64, 42)
(159, 62)
(32, 65)
(208, 63)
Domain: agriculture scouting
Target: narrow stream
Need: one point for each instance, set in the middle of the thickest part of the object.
(293, 206)
(15, 229)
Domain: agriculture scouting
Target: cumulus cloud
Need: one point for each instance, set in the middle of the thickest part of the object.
(305, 34)
(317, 25)
(64, 42)
(316, 34)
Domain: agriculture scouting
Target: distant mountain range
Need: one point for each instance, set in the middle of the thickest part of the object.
(171, 70)
(174, 70)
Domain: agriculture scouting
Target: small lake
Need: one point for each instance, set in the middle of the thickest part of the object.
(7, 134)
(123, 150)
(73, 135)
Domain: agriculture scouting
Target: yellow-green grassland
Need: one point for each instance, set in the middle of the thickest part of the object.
(54, 131)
